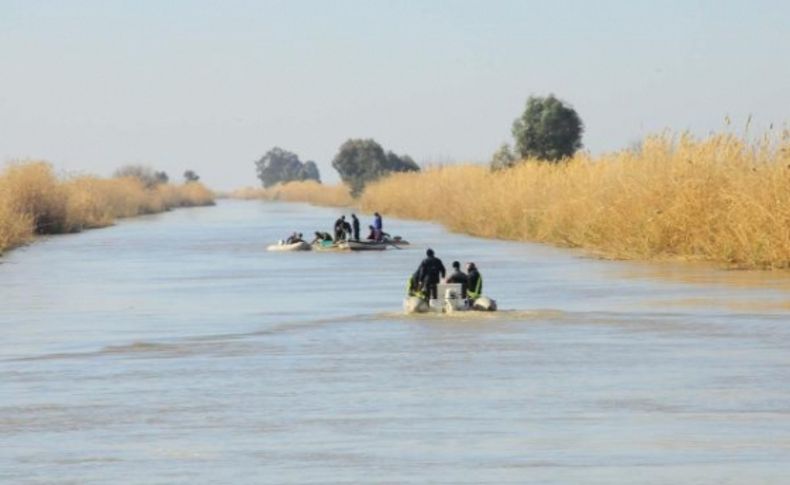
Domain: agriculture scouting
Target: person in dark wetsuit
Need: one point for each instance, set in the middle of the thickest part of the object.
(458, 276)
(430, 272)
(355, 226)
(340, 228)
(474, 282)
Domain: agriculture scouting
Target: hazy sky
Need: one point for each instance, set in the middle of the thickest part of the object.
(211, 86)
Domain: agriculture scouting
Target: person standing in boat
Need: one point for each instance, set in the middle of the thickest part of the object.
(430, 272)
(474, 282)
(340, 228)
(458, 276)
(378, 224)
(355, 226)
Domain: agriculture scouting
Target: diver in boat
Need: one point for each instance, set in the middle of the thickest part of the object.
(292, 239)
(355, 226)
(321, 237)
(378, 224)
(347, 231)
(474, 282)
(430, 272)
(413, 286)
(458, 276)
(340, 228)
(372, 234)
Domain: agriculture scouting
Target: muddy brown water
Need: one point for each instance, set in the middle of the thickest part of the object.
(174, 349)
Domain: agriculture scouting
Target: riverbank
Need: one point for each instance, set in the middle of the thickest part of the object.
(720, 199)
(33, 200)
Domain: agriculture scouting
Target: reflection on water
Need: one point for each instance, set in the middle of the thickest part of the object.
(173, 349)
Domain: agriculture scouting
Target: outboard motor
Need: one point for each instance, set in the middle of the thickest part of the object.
(453, 301)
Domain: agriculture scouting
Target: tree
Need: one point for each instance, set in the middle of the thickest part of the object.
(280, 166)
(191, 176)
(503, 158)
(360, 161)
(549, 129)
(144, 174)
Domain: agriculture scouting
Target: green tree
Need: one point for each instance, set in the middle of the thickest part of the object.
(503, 158)
(360, 161)
(549, 129)
(191, 176)
(280, 166)
(144, 174)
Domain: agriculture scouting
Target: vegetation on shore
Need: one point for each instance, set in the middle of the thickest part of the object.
(719, 199)
(33, 200)
(309, 191)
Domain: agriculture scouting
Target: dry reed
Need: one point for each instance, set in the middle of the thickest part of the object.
(718, 199)
(34, 201)
(308, 191)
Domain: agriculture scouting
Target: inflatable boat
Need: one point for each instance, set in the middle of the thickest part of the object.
(362, 245)
(283, 246)
(449, 301)
(350, 246)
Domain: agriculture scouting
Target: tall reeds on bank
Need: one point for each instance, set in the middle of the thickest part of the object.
(33, 200)
(719, 199)
(308, 191)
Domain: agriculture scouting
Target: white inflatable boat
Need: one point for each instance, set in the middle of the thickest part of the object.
(449, 301)
(283, 246)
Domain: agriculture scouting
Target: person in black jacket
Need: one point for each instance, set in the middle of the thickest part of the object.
(458, 276)
(430, 272)
(355, 226)
(340, 228)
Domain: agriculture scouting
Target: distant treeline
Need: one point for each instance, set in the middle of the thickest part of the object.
(357, 162)
(548, 129)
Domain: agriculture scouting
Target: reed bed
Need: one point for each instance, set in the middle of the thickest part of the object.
(33, 200)
(718, 199)
(308, 191)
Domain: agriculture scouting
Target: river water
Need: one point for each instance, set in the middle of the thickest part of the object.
(174, 349)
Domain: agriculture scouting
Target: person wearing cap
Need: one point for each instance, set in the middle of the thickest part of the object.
(458, 276)
(430, 272)
(474, 282)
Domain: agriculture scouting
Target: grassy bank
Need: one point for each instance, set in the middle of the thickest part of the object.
(719, 199)
(307, 191)
(33, 200)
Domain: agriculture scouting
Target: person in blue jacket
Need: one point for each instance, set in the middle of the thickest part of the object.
(378, 225)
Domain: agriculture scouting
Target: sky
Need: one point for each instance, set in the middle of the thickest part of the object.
(212, 85)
